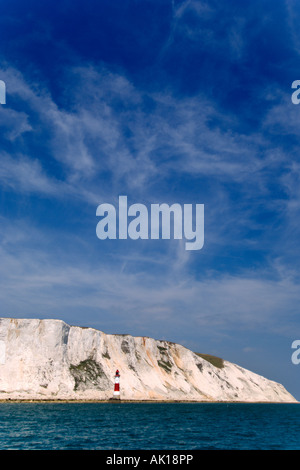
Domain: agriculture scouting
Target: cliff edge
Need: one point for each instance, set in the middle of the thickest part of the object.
(48, 359)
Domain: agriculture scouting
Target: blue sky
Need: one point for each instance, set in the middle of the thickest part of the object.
(162, 101)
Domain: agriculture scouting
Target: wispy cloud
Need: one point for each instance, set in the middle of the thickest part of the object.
(112, 131)
(23, 174)
(37, 283)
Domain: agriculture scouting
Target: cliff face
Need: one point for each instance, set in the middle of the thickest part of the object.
(48, 359)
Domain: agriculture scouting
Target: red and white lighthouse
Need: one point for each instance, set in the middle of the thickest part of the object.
(117, 385)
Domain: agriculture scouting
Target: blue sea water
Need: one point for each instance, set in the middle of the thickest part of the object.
(149, 426)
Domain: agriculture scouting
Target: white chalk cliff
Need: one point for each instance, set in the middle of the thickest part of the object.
(48, 359)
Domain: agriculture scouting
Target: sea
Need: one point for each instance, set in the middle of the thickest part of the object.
(149, 426)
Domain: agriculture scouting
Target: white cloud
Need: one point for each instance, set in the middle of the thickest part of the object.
(135, 142)
(110, 129)
(23, 174)
(136, 293)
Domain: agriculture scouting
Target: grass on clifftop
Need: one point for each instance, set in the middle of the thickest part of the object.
(214, 360)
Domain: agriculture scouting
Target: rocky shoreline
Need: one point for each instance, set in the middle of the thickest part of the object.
(58, 400)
